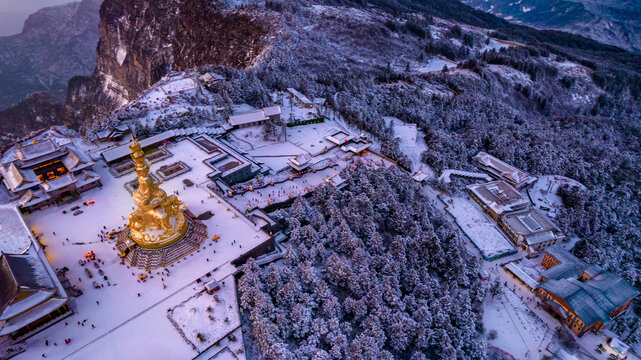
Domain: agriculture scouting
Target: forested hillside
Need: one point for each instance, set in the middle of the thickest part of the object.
(373, 272)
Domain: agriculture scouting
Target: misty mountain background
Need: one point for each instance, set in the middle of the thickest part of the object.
(13, 13)
(612, 22)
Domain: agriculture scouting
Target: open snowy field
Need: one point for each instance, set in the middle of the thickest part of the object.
(433, 65)
(479, 227)
(118, 315)
(276, 155)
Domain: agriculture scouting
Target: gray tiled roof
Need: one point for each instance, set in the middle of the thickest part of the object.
(593, 299)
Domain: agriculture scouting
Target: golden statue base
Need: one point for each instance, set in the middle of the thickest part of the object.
(195, 233)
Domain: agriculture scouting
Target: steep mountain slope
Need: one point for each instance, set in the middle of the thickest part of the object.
(140, 41)
(615, 22)
(56, 43)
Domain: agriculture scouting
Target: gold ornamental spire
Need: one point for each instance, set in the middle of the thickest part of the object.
(158, 220)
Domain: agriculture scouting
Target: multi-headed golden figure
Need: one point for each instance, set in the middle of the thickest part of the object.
(158, 221)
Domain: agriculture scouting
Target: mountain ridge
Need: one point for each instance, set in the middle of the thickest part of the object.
(616, 23)
(55, 44)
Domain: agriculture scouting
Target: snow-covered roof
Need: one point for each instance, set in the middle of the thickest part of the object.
(500, 196)
(420, 176)
(15, 236)
(247, 118)
(272, 110)
(533, 225)
(18, 179)
(32, 315)
(211, 77)
(301, 159)
(31, 198)
(302, 98)
(24, 283)
(522, 275)
(58, 183)
(123, 150)
(36, 149)
(339, 137)
(356, 147)
(87, 177)
(76, 159)
(502, 170)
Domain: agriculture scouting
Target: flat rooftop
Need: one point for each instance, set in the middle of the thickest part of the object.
(529, 222)
(500, 196)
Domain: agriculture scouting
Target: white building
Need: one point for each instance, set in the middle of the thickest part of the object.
(255, 118)
(301, 162)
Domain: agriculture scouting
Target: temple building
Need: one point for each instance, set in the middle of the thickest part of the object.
(583, 296)
(160, 231)
(31, 295)
(498, 198)
(500, 170)
(531, 230)
(43, 173)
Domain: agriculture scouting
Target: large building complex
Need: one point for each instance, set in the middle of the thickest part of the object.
(31, 296)
(43, 173)
(526, 226)
(585, 297)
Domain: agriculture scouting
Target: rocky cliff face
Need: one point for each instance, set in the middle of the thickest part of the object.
(140, 41)
(614, 22)
(56, 43)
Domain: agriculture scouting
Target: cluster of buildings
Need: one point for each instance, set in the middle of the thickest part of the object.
(583, 296)
(42, 173)
(502, 200)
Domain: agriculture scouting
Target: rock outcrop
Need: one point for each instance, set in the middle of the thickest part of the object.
(140, 41)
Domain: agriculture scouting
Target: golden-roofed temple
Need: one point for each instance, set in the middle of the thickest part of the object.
(161, 230)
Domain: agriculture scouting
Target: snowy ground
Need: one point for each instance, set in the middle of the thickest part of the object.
(276, 155)
(495, 45)
(433, 65)
(519, 331)
(412, 143)
(121, 316)
(479, 227)
(523, 328)
(213, 316)
(543, 193)
(179, 86)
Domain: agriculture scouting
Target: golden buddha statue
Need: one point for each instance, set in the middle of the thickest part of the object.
(158, 221)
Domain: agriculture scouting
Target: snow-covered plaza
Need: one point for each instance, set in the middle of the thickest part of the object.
(118, 311)
(479, 227)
